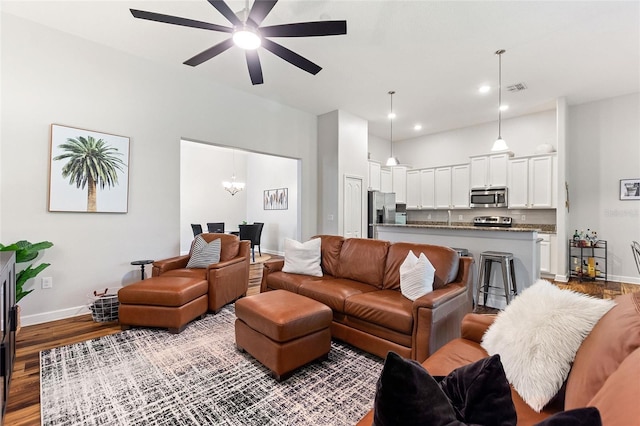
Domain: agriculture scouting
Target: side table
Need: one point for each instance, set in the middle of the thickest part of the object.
(142, 264)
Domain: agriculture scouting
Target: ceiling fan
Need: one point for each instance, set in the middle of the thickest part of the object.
(249, 35)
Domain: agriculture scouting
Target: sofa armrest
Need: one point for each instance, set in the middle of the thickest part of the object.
(162, 266)
(475, 325)
(269, 267)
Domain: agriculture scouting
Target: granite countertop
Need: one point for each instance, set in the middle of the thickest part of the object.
(469, 226)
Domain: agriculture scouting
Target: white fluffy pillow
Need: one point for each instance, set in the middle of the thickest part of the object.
(416, 276)
(302, 258)
(538, 335)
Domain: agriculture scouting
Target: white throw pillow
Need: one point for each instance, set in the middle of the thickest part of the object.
(204, 254)
(416, 276)
(538, 335)
(302, 258)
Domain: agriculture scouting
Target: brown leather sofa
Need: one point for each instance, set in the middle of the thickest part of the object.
(228, 279)
(361, 284)
(605, 373)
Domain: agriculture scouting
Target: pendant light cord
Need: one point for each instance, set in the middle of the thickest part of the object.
(499, 53)
(391, 93)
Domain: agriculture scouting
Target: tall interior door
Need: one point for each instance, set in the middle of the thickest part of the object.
(352, 207)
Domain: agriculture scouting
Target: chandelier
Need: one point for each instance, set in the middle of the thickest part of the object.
(232, 186)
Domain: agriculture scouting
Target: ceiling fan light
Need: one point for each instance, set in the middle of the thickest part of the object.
(246, 38)
(499, 145)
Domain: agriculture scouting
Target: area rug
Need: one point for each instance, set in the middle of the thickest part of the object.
(198, 377)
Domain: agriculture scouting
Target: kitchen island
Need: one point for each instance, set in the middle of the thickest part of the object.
(522, 242)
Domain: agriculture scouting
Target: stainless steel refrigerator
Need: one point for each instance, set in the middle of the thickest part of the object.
(381, 209)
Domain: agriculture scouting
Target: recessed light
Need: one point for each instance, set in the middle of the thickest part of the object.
(484, 89)
(417, 127)
(391, 115)
(504, 107)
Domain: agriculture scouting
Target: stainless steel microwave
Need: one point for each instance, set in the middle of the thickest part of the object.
(488, 197)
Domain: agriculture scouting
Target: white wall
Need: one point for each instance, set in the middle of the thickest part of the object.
(522, 134)
(342, 151)
(202, 197)
(269, 172)
(604, 147)
(379, 149)
(53, 77)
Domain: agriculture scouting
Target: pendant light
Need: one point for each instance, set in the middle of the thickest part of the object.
(392, 161)
(233, 187)
(499, 144)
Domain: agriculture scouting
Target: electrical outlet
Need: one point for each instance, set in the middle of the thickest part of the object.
(459, 217)
(330, 217)
(523, 217)
(429, 216)
(47, 282)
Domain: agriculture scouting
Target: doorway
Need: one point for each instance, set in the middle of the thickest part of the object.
(352, 212)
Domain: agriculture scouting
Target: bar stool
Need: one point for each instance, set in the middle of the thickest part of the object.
(508, 275)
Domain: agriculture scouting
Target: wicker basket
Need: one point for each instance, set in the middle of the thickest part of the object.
(104, 305)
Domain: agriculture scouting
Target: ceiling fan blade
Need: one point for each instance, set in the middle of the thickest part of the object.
(255, 69)
(209, 53)
(226, 11)
(291, 57)
(176, 20)
(260, 10)
(306, 29)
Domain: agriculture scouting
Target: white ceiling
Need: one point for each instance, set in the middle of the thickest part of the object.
(435, 55)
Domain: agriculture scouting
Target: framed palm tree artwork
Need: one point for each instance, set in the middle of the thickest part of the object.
(89, 171)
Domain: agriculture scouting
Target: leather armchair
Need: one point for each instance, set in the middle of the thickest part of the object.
(228, 279)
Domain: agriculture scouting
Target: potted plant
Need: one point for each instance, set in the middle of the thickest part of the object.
(26, 252)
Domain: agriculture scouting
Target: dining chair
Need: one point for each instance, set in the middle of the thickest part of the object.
(248, 232)
(216, 227)
(197, 229)
(635, 248)
(258, 235)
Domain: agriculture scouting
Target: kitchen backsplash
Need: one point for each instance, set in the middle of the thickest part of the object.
(531, 216)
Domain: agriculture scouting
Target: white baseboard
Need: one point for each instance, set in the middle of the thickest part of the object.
(53, 315)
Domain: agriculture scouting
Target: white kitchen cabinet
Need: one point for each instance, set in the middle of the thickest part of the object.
(420, 189)
(374, 176)
(489, 170)
(548, 250)
(443, 188)
(413, 189)
(427, 188)
(531, 182)
(460, 186)
(545, 253)
(385, 181)
(399, 182)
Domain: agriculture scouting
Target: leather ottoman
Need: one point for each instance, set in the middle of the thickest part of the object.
(164, 302)
(283, 330)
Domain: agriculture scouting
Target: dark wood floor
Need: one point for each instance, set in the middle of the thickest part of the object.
(24, 396)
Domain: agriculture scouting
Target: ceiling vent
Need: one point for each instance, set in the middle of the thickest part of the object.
(518, 87)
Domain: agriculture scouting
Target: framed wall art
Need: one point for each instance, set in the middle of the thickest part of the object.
(630, 189)
(276, 199)
(88, 171)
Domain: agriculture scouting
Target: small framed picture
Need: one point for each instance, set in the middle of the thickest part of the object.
(630, 189)
(276, 199)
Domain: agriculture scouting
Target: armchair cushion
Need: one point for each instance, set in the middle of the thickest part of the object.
(203, 253)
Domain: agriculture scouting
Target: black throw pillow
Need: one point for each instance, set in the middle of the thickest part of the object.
(480, 393)
(589, 416)
(476, 394)
(407, 395)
